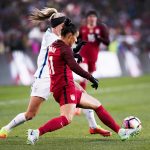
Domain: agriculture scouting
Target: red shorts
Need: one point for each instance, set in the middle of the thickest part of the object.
(91, 65)
(67, 95)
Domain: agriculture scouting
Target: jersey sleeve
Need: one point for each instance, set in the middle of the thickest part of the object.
(105, 34)
(67, 56)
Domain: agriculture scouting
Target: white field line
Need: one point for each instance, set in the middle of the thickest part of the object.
(140, 86)
(128, 87)
(12, 102)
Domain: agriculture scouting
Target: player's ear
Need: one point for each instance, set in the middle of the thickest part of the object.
(69, 35)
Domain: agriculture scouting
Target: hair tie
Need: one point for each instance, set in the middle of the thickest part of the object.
(67, 22)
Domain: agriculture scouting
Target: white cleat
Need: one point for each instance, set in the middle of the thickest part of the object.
(33, 136)
(126, 133)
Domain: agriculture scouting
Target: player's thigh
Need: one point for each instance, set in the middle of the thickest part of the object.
(40, 91)
(41, 88)
(65, 95)
(88, 102)
(68, 110)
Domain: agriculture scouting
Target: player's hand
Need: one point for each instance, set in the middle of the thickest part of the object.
(79, 45)
(79, 58)
(94, 81)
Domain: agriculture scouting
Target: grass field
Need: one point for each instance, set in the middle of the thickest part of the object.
(121, 96)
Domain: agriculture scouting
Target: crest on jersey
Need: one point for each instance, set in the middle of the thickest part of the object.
(97, 31)
(72, 96)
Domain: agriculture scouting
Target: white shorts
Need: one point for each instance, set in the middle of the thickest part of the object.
(41, 88)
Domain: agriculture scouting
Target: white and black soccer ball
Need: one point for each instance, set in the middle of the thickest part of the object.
(131, 122)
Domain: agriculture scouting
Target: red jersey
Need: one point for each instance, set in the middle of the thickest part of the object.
(91, 49)
(61, 65)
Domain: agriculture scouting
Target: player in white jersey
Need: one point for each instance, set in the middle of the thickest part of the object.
(41, 86)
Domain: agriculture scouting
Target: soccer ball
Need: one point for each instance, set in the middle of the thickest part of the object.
(132, 123)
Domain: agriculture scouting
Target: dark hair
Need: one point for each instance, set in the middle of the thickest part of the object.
(68, 27)
(91, 12)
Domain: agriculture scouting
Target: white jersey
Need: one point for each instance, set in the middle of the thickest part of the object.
(42, 62)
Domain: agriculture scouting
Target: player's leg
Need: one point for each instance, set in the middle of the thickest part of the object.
(89, 113)
(88, 101)
(32, 110)
(93, 127)
(38, 95)
(67, 99)
(66, 116)
(33, 107)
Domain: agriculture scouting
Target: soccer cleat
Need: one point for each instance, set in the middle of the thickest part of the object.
(33, 136)
(3, 133)
(100, 130)
(127, 133)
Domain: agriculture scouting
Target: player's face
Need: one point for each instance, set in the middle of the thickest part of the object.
(72, 38)
(92, 20)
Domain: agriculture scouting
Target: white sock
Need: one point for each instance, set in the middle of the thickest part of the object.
(89, 113)
(19, 119)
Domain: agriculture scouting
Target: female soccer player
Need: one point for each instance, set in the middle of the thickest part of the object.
(94, 34)
(41, 86)
(61, 65)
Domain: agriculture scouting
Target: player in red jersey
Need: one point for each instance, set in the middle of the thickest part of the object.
(94, 34)
(61, 64)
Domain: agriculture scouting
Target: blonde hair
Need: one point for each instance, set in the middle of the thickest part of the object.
(38, 16)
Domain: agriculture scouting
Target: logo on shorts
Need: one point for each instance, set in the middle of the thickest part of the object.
(72, 97)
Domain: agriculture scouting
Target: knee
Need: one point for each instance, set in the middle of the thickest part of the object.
(30, 115)
(95, 106)
(69, 118)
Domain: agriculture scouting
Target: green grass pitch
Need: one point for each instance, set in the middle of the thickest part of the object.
(122, 97)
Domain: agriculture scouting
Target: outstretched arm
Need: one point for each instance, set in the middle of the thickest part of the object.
(67, 56)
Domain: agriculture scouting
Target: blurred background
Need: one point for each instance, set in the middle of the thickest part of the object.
(127, 55)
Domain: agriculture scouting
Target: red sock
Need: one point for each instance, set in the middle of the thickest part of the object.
(106, 118)
(83, 84)
(53, 125)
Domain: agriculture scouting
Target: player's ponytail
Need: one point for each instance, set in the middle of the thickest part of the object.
(68, 27)
(50, 14)
(40, 15)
